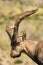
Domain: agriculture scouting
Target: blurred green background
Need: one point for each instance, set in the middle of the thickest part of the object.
(33, 26)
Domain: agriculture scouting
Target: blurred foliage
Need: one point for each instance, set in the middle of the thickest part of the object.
(33, 25)
(18, 61)
(1, 59)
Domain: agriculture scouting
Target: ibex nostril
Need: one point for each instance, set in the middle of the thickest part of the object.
(11, 54)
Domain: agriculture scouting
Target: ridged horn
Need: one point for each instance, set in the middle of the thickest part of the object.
(20, 18)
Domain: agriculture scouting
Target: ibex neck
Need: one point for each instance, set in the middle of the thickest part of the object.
(30, 47)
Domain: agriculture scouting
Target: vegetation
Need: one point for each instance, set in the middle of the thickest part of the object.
(33, 26)
(18, 61)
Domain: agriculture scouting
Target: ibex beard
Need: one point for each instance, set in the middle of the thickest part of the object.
(20, 44)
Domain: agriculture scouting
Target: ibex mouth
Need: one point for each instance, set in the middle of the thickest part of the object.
(14, 56)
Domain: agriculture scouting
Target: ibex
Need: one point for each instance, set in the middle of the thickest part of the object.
(20, 44)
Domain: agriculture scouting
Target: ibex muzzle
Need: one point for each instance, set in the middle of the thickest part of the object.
(21, 44)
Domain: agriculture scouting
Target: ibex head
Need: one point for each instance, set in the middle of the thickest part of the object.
(17, 46)
(18, 42)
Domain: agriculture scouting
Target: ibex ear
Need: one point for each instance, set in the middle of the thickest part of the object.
(10, 30)
(24, 36)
